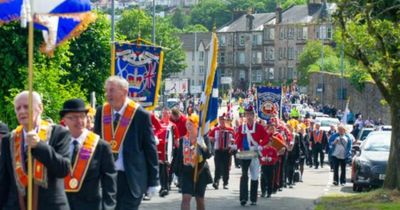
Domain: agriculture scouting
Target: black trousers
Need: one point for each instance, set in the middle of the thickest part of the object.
(164, 176)
(318, 151)
(222, 162)
(125, 199)
(290, 166)
(267, 178)
(244, 183)
(283, 174)
(336, 163)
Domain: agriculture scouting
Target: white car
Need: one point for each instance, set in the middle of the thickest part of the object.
(326, 122)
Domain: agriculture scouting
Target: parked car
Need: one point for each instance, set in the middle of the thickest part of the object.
(172, 102)
(370, 162)
(326, 122)
(362, 135)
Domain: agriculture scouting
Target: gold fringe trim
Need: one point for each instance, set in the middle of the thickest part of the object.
(85, 18)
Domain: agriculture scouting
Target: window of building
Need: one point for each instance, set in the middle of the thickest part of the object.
(257, 39)
(281, 33)
(290, 53)
(295, 76)
(299, 33)
(242, 74)
(280, 53)
(242, 40)
(257, 57)
(329, 32)
(290, 33)
(201, 56)
(270, 73)
(200, 82)
(222, 40)
(193, 69)
(270, 54)
(305, 32)
(259, 76)
(290, 73)
(284, 52)
(270, 34)
(242, 58)
(193, 55)
(201, 69)
(221, 57)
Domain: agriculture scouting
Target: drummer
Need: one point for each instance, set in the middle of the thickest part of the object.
(248, 139)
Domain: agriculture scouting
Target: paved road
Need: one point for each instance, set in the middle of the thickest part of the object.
(302, 197)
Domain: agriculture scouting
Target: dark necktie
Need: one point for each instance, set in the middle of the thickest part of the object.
(74, 152)
(116, 119)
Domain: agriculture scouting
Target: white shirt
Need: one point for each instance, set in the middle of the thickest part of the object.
(119, 163)
(80, 141)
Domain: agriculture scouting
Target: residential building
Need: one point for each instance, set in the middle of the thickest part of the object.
(196, 47)
(265, 47)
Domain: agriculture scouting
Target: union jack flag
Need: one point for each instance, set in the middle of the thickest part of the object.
(149, 76)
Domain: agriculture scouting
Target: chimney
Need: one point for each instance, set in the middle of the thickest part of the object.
(249, 20)
(278, 14)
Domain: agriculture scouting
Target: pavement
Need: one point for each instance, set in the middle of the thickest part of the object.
(303, 196)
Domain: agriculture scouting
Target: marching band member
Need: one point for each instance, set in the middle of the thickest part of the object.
(293, 156)
(168, 141)
(188, 156)
(91, 183)
(304, 140)
(268, 159)
(222, 136)
(248, 139)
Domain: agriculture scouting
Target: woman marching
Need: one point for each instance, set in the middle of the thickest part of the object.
(188, 153)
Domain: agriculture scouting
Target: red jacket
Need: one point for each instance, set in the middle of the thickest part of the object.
(268, 152)
(181, 124)
(259, 136)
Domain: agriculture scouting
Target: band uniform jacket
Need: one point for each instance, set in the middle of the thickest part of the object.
(139, 152)
(99, 188)
(55, 157)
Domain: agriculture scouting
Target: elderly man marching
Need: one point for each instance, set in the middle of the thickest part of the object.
(127, 127)
(248, 139)
(223, 137)
(91, 183)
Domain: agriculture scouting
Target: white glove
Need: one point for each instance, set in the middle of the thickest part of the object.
(259, 148)
(200, 142)
(157, 140)
(151, 191)
(269, 159)
(264, 159)
(233, 147)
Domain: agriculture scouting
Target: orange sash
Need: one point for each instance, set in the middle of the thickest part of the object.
(189, 154)
(73, 181)
(116, 136)
(39, 173)
(318, 138)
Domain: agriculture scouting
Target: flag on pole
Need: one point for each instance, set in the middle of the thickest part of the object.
(59, 20)
(346, 112)
(209, 98)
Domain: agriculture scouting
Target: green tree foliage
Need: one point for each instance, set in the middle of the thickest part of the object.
(194, 28)
(287, 3)
(255, 5)
(135, 21)
(90, 58)
(179, 19)
(371, 34)
(311, 54)
(210, 12)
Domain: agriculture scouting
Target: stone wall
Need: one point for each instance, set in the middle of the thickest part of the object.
(367, 102)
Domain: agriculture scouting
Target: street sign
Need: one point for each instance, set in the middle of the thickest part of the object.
(226, 80)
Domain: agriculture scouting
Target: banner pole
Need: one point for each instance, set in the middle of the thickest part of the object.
(30, 108)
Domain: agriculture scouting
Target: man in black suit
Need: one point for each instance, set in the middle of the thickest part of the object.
(92, 163)
(319, 140)
(3, 131)
(50, 152)
(127, 127)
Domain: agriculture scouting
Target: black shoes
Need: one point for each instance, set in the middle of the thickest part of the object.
(263, 194)
(226, 187)
(335, 183)
(243, 202)
(163, 193)
(269, 195)
(215, 185)
(253, 203)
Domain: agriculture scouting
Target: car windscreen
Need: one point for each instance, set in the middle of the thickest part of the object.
(364, 134)
(327, 123)
(378, 142)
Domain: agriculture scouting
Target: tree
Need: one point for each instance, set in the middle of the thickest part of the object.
(209, 13)
(371, 34)
(194, 28)
(311, 55)
(90, 58)
(136, 21)
(179, 19)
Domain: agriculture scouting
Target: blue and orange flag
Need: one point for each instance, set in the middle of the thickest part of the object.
(59, 20)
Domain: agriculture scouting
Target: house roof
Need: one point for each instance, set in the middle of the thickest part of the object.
(188, 40)
(306, 13)
(240, 24)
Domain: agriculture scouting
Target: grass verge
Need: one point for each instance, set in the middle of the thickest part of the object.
(374, 200)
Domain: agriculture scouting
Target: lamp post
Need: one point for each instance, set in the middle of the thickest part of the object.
(153, 34)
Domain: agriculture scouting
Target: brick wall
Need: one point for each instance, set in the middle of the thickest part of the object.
(367, 101)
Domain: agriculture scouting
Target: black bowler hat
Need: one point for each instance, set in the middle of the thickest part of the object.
(73, 105)
(3, 128)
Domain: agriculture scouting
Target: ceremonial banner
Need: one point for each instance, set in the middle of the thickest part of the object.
(59, 20)
(269, 100)
(141, 66)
